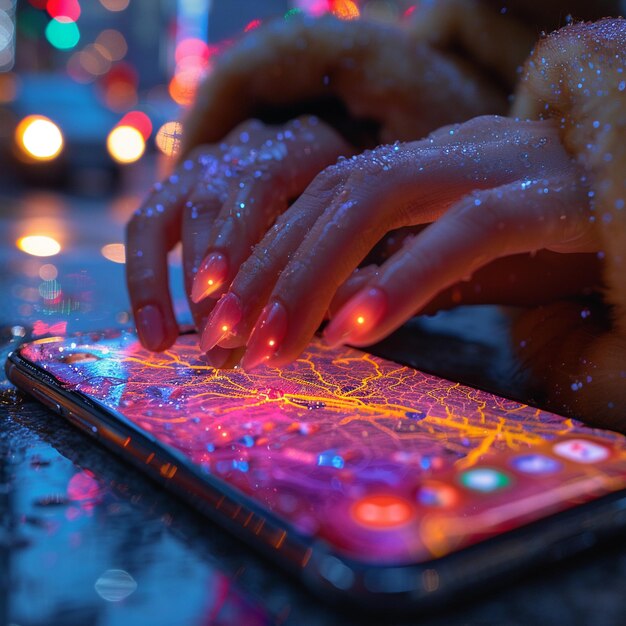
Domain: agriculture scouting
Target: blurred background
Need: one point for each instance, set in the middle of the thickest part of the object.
(91, 97)
(89, 86)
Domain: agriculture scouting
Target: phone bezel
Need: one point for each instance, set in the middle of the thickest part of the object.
(384, 587)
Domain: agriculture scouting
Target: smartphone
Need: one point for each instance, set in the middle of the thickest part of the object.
(369, 480)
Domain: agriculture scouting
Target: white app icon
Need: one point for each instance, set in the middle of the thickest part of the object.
(581, 451)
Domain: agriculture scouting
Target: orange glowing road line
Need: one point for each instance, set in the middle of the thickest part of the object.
(381, 416)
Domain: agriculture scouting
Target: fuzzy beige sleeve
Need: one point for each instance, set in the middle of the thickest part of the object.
(378, 73)
(578, 76)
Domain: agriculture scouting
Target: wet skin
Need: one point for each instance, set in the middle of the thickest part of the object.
(489, 190)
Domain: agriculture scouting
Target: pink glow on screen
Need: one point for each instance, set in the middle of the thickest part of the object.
(388, 464)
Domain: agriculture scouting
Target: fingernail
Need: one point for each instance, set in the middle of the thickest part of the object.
(217, 357)
(150, 326)
(357, 317)
(210, 276)
(267, 335)
(223, 319)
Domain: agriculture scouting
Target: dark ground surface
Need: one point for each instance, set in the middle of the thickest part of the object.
(80, 528)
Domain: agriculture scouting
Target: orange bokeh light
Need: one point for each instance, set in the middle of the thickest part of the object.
(345, 9)
(183, 86)
(168, 138)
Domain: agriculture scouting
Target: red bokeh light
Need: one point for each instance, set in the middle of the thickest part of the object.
(409, 11)
(193, 48)
(69, 9)
(252, 25)
(138, 120)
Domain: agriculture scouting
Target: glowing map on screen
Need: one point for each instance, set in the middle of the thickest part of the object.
(385, 462)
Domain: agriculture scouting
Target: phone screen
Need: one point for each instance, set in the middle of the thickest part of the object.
(387, 464)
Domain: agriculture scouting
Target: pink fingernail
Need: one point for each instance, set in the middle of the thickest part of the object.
(267, 335)
(210, 276)
(357, 317)
(150, 326)
(223, 319)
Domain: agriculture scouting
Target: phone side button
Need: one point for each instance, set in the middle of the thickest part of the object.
(81, 423)
(44, 399)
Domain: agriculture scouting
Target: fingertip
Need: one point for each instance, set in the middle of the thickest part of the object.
(210, 277)
(152, 329)
(357, 318)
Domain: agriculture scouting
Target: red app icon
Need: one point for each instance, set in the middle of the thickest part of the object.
(581, 451)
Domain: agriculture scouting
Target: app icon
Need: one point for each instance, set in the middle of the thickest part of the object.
(382, 511)
(581, 451)
(484, 479)
(536, 464)
(437, 494)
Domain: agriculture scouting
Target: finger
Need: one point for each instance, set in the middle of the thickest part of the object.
(151, 233)
(199, 213)
(280, 169)
(232, 319)
(509, 281)
(358, 188)
(388, 188)
(487, 225)
(361, 277)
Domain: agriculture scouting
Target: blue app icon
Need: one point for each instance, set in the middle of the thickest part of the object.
(536, 464)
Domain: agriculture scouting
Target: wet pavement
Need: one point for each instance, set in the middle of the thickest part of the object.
(85, 539)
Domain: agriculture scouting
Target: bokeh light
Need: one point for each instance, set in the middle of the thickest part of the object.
(345, 9)
(93, 61)
(115, 5)
(183, 86)
(39, 245)
(48, 272)
(7, 35)
(39, 138)
(69, 9)
(115, 252)
(114, 42)
(62, 33)
(9, 87)
(115, 585)
(168, 138)
(138, 120)
(118, 87)
(252, 25)
(313, 7)
(126, 144)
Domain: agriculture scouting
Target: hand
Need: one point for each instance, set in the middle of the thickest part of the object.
(493, 187)
(219, 203)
